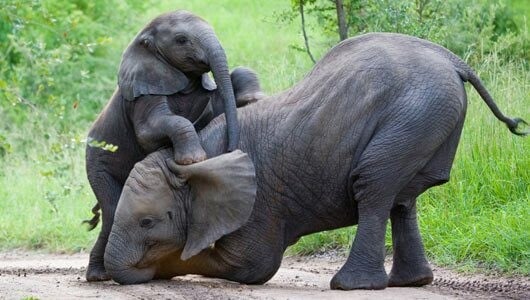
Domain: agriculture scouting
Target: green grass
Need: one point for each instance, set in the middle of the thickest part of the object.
(523, 8)
(479, 219)
(44, 199)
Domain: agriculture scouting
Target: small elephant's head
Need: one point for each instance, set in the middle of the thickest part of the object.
(170, 54)
(165, 208)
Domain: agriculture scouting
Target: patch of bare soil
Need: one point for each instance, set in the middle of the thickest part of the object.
(46, 276)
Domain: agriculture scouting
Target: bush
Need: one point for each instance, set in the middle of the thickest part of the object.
(56, 59)
(472, 30)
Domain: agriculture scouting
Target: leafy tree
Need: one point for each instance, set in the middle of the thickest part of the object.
(471, 29)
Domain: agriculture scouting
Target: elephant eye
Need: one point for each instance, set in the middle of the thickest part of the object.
(147, 222)
(181, 40)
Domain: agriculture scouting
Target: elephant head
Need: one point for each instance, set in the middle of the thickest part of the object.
(166, 208)
(172, 52)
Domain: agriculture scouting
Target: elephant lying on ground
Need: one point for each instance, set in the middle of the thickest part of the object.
(372, 126)
(162, 88)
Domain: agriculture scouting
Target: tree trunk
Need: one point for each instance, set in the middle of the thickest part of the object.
(341, 20)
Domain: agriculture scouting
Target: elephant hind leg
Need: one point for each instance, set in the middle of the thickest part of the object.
(382, 173)
(410, 266)
(107, 191)
(394, 156)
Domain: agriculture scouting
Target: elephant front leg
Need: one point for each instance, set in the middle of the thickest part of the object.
(154, 123)
(410, 267)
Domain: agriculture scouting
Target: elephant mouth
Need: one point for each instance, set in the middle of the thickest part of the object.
(199, 66)
(153, 255)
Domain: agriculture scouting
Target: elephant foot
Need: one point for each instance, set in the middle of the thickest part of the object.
(356, 280)
(96, 273)
(188, 154)
(410, 277)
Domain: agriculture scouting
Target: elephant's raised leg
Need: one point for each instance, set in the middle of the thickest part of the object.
(108, 200)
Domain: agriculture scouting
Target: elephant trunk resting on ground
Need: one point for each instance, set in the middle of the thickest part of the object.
(371, 127)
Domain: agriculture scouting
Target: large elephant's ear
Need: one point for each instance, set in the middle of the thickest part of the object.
(144, 72)
(223, 191)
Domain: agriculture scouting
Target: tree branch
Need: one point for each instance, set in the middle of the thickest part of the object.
(301, 8)
(341, 20)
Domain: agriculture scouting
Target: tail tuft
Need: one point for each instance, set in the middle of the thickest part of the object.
(513, 125)
(92, 223)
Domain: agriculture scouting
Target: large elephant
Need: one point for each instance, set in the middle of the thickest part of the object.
(372, 126)
(163, 96)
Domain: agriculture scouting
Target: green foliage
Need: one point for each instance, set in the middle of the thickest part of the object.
(102, 145)
(53, 56)
(470, 29)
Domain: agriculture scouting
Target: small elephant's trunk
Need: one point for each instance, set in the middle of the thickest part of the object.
(118, 266)
(219, 66)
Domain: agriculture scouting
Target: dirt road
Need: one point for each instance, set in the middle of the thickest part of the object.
(46, 276)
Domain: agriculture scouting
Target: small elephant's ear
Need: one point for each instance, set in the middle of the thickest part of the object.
(207, 82)
(144, 72)
(223, 191)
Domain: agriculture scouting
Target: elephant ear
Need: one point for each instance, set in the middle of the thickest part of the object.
(207, 82)
(144, 72)
(223, 191)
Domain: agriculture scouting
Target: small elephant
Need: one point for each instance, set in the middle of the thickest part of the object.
(372, 126)
(163, 96)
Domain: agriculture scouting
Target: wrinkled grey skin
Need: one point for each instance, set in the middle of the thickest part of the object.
(371, 127)
(163, 96)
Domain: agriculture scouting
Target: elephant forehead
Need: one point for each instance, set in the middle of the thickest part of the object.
(177, 18)
(146, 189)
(144, 201)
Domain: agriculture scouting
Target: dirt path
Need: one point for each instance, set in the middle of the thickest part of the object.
(46, 276)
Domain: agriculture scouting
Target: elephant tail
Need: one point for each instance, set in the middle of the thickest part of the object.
(467, 74)
(92, 223)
